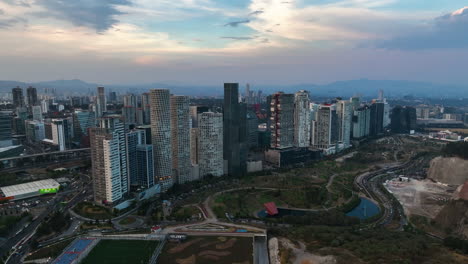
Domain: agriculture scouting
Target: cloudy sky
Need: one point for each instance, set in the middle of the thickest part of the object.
(212, 41)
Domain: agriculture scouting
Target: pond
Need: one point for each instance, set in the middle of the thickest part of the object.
(365, 209)
(281, 212)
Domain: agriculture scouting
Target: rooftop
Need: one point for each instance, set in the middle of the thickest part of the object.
(29, 187)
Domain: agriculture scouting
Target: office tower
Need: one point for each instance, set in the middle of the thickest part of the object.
(361, 122)
(45, 106)
(234, 151)
(210, 146)
(403, 119)
(129, 114)
(82, 121)
(381, 95)
(109, 160)
(355, 102)
(161, 136)
(61, 133)
(18, 99)
(113, 97)
(6, 118)
(194, 142)
(386, 117)
(344, 113)
(194, 112)
(35, 131)
(302, 121)
(325, 127)
(101, 102)
(282, 120)
(139, 116)
(134, 139)
(145, 168)
(31, 93)
(37, 112)
(130, 100)
(376, 119)
(252, 129)
(145, 105)
(147, 129)
(180, 136)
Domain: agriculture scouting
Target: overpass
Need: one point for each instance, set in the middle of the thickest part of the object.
(48, 157)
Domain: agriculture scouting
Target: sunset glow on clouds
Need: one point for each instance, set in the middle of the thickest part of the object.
(181, 39)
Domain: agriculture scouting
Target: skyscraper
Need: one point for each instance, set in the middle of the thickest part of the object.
(180, 135)
(134, 139)
(325, 127)
(145, 165)
(344, 112)
(210, 146)
(109, 160)
(101, 102)
(282, 120)
(145, 105)
(62, 133)
(161, 136)
(361, 122)
(5, 128)
(37, 112)
(302, 119)
(31, 96)
(234, 149)
(18, 99)
(377, 118)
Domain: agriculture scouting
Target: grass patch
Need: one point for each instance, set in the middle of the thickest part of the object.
(92, 211)
(208, 250)
(127, 220)
(121, 251)
(51, 251)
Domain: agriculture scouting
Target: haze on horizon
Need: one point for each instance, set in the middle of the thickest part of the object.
(209, 42)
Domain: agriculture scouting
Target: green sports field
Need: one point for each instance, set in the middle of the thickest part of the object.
(121, 251)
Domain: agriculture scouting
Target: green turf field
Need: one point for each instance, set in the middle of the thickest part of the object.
(121, 251)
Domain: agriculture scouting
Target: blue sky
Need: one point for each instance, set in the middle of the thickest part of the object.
(258, 41)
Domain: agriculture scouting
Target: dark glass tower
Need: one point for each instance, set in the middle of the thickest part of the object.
(235, 132)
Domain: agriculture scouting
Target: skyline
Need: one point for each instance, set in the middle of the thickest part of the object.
(203, 42)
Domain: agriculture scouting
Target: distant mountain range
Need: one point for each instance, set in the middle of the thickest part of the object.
(363, 87)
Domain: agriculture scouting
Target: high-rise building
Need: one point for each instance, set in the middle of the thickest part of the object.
(82, 121)
(18, 99)
(302, 121)
(31, 96)
(134, 139)
(210, 144)
(161, 137)
(145, 168)
(377, 118)
(194, 112)
(101, 102)
(252, 129)
(145, 105)
(282, 120)
(361, 122)
(62, 133)
(35, 131)
(325, 127)
(403, 119)
(180, 135)
(6, 118)
(194, 141)
(37, 112)
(113, 97)
(45, 106)
(109, 160)
(344, 112)
(130, 100)
(235, 134)
(129, 114)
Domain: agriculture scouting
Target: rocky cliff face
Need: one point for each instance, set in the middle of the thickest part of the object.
(452, 171)
(453, 218)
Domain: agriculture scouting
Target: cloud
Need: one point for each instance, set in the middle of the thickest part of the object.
(9, 22)
(23, 3)
(99, 15)
(257, 12)
(237, 23)
(444, 32)
(238, 38)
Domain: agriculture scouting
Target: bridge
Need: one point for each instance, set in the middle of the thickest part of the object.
(48, 157)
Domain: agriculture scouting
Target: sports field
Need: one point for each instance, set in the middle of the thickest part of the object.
(121, 251)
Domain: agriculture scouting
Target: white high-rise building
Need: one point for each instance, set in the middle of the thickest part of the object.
(109, 160)
(161, 137)
(344, 112)
(302, 121)
(180, 136)
(210, 144)
(45, 106)
(61, 133)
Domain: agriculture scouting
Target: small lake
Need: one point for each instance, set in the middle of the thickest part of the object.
(365, 209)
(281, 212)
